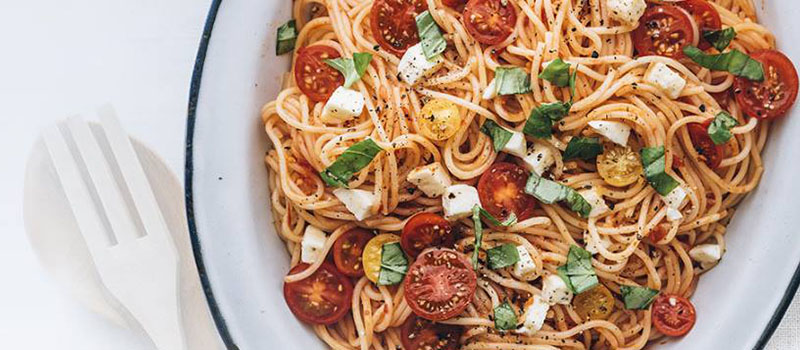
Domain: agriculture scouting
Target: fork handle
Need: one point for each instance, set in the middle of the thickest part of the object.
(164, 327)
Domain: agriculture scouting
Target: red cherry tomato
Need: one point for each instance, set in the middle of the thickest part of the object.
(347, 251)
(440, 284)
(502, 191)
(490, 21)
(771, 98)
(454, 4)
(673, 315)
(706, 17)
(710, 152)
(313, 76)
(393, 23)
(425, 230)
(322, 298)
(663, 31)
(420, 334)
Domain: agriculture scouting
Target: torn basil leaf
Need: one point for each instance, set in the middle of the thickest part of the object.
(394, 264)
(578, 273)
(512, 219)
(720, 39)
(504, 317)
(502, 256)
(720, 128)
(540, 121)
(734, 61)
(637, 298)
(497, 133)
(355, 158)
(352, 68)
(430, 35)
(476, 221)
(577, 203)
(551, 192)
(511, 81)
(286, 38)
(585, 148)
(557, 72)
(654, 163)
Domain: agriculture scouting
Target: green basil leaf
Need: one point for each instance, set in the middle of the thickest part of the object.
(540, 121)
(572, 79)
(578, 272)
(734, 61)
(355, 158)
(430, 36)
(557, 72)
(502, 256)
(577, 203)
(561, 271)
(497, 133)
(352, 68)
(476, 221)
(583, 148)
(720, 39)
(512, 219)
(286, 38)
(394, 264)
(511, 81)
(720, 128)
(504, 317)
(637, 298)
(551, 192)
(654, 164)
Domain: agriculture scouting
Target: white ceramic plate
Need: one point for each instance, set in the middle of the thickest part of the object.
(242, 261)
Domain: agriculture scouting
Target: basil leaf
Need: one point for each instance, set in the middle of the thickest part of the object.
(511, 81)
(572, 79)
(550, 192)
(540, 121)
(286, 38)
(355, 158)
(637, 298)
(720, 128)
(654, 164)
(476, 221)
(734, 61)
(502, 256)
(561, 271)
(504, 317)
(577, 203)
(497, 133)
(720, 39)
(578, 272)
(512, 219)
(394, 264)
(352, 68)
(583, 148)
(557, 72)
(430, 35)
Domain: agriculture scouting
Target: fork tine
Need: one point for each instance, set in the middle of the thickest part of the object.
(100, 173)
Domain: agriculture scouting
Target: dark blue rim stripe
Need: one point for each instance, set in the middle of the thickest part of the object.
(197, 77)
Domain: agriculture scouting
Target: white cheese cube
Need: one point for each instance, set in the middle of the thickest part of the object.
(458, 201)
(599, 206)
(616, 132)
(525, 268)
(516, 144)
(491, 91)
(591, 244)
(539, 158)
(555, 291)
(667, 80)
(344, 104)
(414, 65)
(431, 179)
(626, 11)
(673, 201)
(706, 253)
(358, 202)
(533, 318)
(311, 244)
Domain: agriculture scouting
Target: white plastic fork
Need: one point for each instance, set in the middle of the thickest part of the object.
(138, 264)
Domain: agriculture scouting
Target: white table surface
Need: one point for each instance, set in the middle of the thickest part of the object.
(64, 57)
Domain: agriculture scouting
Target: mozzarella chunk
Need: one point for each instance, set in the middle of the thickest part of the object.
(358, 202)
(516, 144)
(491, 91)
(458, 201)
(555, 291)
(592, 244)
(673, 201)
(431, 179)
(627, 11)
(706, 253)
(414, 65)
(667, 80)
(343, 105)
(525, 268)
(539, 158)
(533, 318)
(311, 244)
(617, 132)
(599, 206)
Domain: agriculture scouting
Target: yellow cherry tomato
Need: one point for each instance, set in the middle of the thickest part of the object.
(439, 119)
(594, 304)
(371, 257)
(619, 166)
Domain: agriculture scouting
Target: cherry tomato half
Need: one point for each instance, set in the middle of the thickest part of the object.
(322, 298)
(502, 191)
(425, 230)
(594, 304)
(771, 98)
(393, 23)
(673, 315)
(420, 334)
(706, 17)
(313, 76)
(710, 152)
(663, 31)
(454, 4)
(440, 284)
(490, 21)
(347, 251)
(373, 251)
(619, 166)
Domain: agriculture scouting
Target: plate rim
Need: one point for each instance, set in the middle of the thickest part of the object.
(219, 319)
